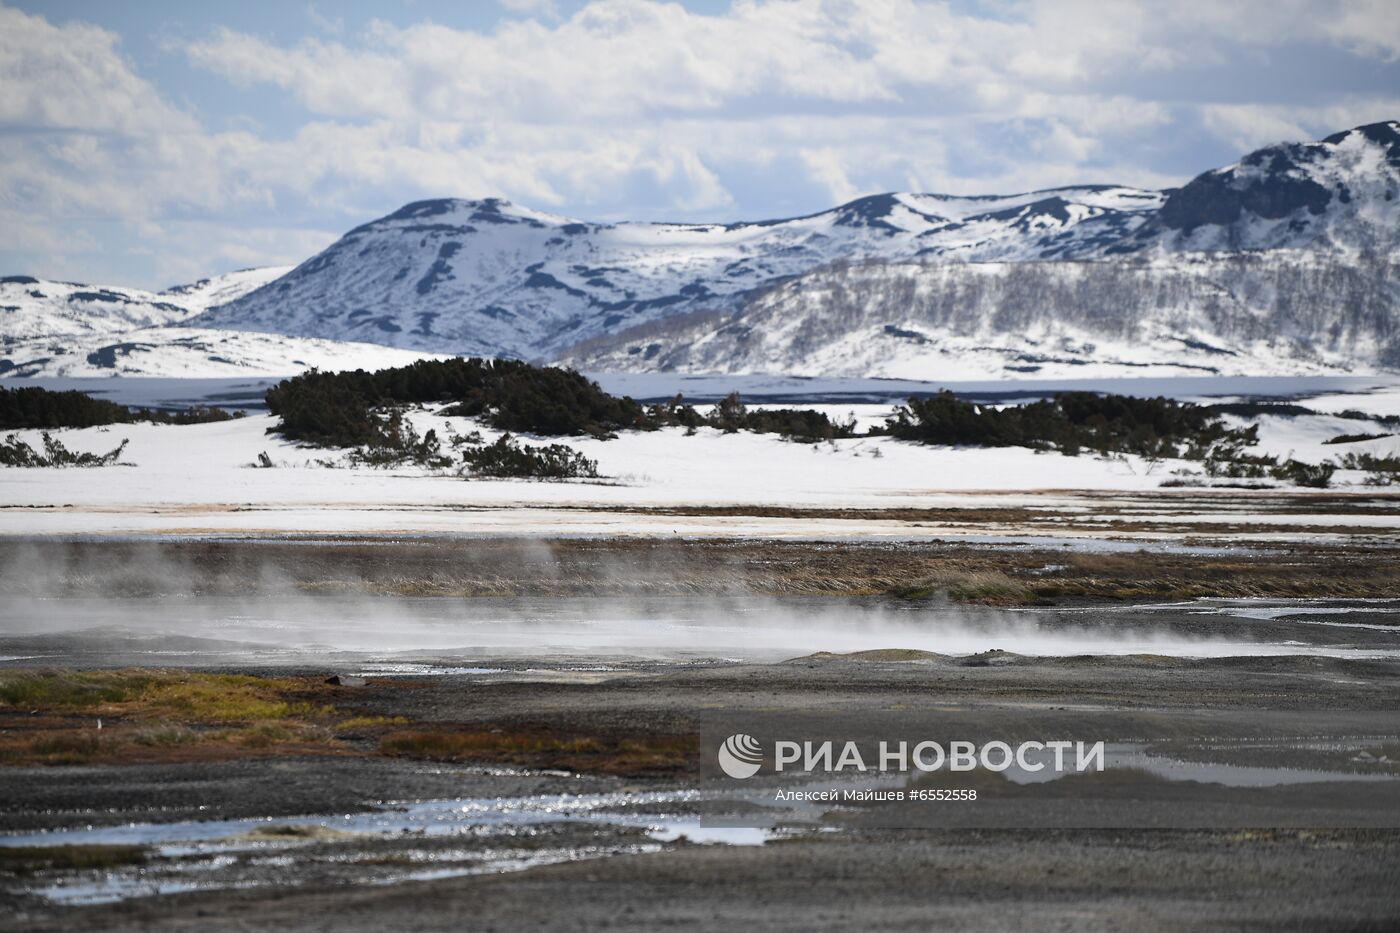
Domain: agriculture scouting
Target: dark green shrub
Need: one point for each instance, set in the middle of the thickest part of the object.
(729, 413)
(336, 409)
(675, 413)
(33, 407)
(1074, 421)
(506, 458)
(1369, 462)
(1383, 471)
(398, 443)
(16, 453)
(1354, 438)
(1316, 475)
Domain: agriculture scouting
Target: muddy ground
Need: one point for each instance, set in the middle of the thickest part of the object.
(873, 870)
(1132, 850)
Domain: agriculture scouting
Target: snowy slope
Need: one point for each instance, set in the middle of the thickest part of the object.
(221, 289)
(1280, 312)
(196, 479)
(192, 353)
(31, 307)
(67, 329)
(490, 277)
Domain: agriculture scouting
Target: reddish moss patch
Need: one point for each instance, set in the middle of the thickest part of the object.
(542, 747)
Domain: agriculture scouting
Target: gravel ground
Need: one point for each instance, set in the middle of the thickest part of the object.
(1318, 855)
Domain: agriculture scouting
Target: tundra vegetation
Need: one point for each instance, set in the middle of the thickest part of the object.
(15, 452)
(65, 717)
(1381, 470)
(365, 411)
(368, 414)
(1072, 422)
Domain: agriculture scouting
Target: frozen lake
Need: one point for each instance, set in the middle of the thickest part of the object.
(247, 393)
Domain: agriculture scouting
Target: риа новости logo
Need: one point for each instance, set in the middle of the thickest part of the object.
(740, 756)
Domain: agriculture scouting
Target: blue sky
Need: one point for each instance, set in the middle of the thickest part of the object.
(152, 143)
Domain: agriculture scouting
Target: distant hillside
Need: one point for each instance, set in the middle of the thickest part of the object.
(1278, 312)
(489, 277)
(1282, 262)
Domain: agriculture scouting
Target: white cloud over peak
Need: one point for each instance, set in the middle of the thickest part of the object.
(633, 108)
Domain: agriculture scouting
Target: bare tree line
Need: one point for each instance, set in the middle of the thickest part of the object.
(1336, 303)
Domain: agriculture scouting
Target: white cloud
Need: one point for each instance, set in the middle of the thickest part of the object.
(1248, 128)
(1370, 26)
(632, 108)
(827, 166)
(73, 78)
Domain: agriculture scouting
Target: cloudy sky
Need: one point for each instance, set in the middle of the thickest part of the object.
(149, 143)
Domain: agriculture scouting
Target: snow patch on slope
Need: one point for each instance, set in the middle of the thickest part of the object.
(193, 353)
(32, 307)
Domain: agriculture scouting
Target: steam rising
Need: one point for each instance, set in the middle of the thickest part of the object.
(273, 615)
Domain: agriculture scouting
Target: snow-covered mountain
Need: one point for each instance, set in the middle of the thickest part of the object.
(67, 329)
(1275, 312)
(1342, 192)
(489, 277)
(31, 307)
(1086, 276)
(1285, 262)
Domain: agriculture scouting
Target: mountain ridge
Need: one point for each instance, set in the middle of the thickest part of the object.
(489, 277)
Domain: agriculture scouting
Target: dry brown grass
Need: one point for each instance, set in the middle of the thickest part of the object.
(24, 860)
(60, 717)
(666, 567)
(146, 716)
(541, 747)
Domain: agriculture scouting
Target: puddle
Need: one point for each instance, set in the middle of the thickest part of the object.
(243, 851)
(424, 817)
(1295, 614)
(429, 839)
(422, 670)
(701, 834)
(1139, 757)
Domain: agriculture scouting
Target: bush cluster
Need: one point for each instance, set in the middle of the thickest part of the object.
(355, 409)
(507, 458)
(730, 414)
(1071, 422)
(399, 443)
(1354, 438)
(1383, 470)
(1315, 475)
(340, 409)
(33, 407)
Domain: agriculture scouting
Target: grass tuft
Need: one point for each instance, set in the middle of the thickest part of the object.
(987, 587)
(24, 860)
(357, 723)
